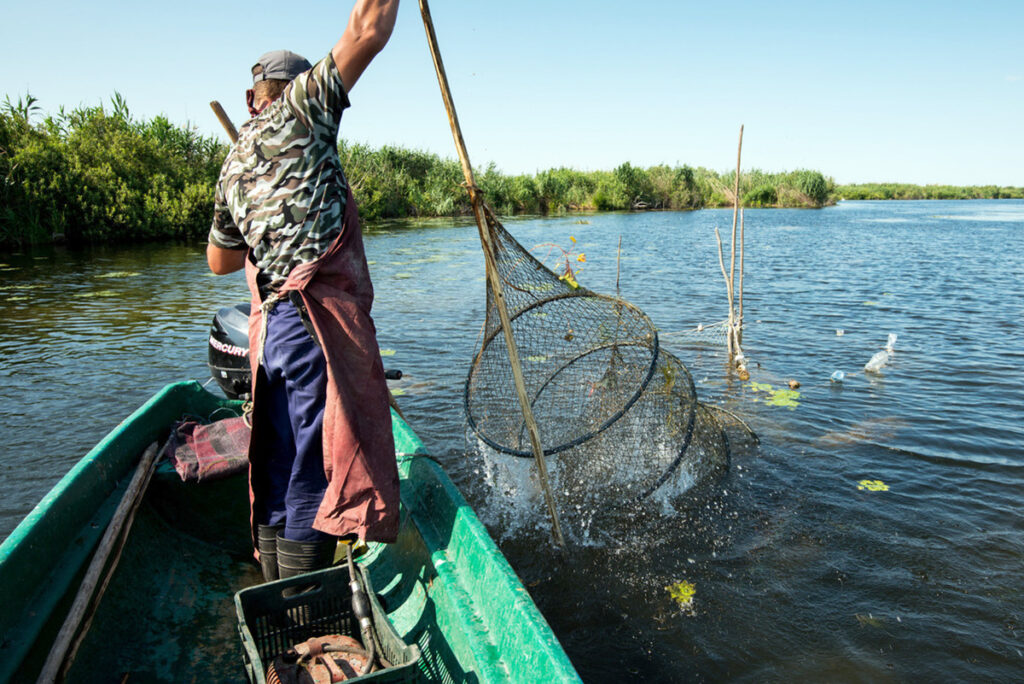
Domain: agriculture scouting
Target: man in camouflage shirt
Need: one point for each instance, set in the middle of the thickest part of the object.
(321, 455)
(277, 171)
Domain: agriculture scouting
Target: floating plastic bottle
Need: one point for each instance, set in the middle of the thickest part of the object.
(837, 376)
(877, 361)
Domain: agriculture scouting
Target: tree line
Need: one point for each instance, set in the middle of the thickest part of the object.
(97, 174)
(906, 191)
(394, 182)
(94, 174)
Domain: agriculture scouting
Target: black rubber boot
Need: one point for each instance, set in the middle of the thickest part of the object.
(296, 558)
(266, 544)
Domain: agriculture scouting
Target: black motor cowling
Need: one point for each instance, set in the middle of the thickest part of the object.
(229, 351)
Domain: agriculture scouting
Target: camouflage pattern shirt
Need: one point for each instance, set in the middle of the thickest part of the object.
(281, 190)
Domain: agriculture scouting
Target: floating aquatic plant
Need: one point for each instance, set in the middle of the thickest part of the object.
(432, 259)
(872, 486)
(119, 274)
(387, 352)
(777, 397)
(784, 397)
(869, 620)
(683, 593)
(668, 373)
(560, 260)
(35, 286)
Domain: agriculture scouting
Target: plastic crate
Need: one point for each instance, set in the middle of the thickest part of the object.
(267, 622)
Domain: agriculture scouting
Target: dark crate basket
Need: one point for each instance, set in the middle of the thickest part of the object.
(270, 622)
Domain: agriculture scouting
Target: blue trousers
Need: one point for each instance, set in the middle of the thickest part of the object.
(294, 399)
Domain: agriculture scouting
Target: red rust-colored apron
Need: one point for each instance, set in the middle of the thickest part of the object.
(359, 450)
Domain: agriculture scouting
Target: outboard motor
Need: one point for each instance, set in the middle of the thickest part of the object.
(229, 351)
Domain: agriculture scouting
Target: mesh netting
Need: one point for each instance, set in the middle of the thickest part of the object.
(614, 409)
(716, 334)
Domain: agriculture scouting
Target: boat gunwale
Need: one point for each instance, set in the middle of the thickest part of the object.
(44, 539)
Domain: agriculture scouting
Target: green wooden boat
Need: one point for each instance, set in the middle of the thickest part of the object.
(168, 613)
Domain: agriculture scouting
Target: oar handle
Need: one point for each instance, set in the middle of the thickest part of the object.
(79, 616)
(222, 116)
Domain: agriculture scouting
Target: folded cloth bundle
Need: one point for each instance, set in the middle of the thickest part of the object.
(210, 451)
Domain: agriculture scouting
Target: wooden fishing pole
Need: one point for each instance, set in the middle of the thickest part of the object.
(493, 280)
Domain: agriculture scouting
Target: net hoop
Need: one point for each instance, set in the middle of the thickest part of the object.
(653, 345)
(690, 425)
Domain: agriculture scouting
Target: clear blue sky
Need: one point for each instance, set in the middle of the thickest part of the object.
(870, 91)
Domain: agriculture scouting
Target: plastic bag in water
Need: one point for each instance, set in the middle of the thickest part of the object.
(877, 361)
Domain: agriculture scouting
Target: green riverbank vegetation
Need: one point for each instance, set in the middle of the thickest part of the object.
(394, 182)
(96, 174)
(906, 191)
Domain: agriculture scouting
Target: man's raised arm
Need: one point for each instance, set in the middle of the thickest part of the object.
(369, 28)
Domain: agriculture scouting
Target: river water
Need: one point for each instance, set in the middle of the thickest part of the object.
(874, 534)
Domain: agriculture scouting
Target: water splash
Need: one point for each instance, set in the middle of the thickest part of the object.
(598, 513)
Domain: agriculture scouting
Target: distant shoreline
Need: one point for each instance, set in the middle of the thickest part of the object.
(95, 175)
(909, 191)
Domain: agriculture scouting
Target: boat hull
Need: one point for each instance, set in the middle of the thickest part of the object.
(168, 615)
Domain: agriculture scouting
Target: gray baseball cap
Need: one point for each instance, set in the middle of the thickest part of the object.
(280, 64)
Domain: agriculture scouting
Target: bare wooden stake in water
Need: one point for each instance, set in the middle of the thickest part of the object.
(734, 335)
(618, 266)
(732, 254)
(728, 287)
(480, 212)
(734, 321)
(739, 326)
